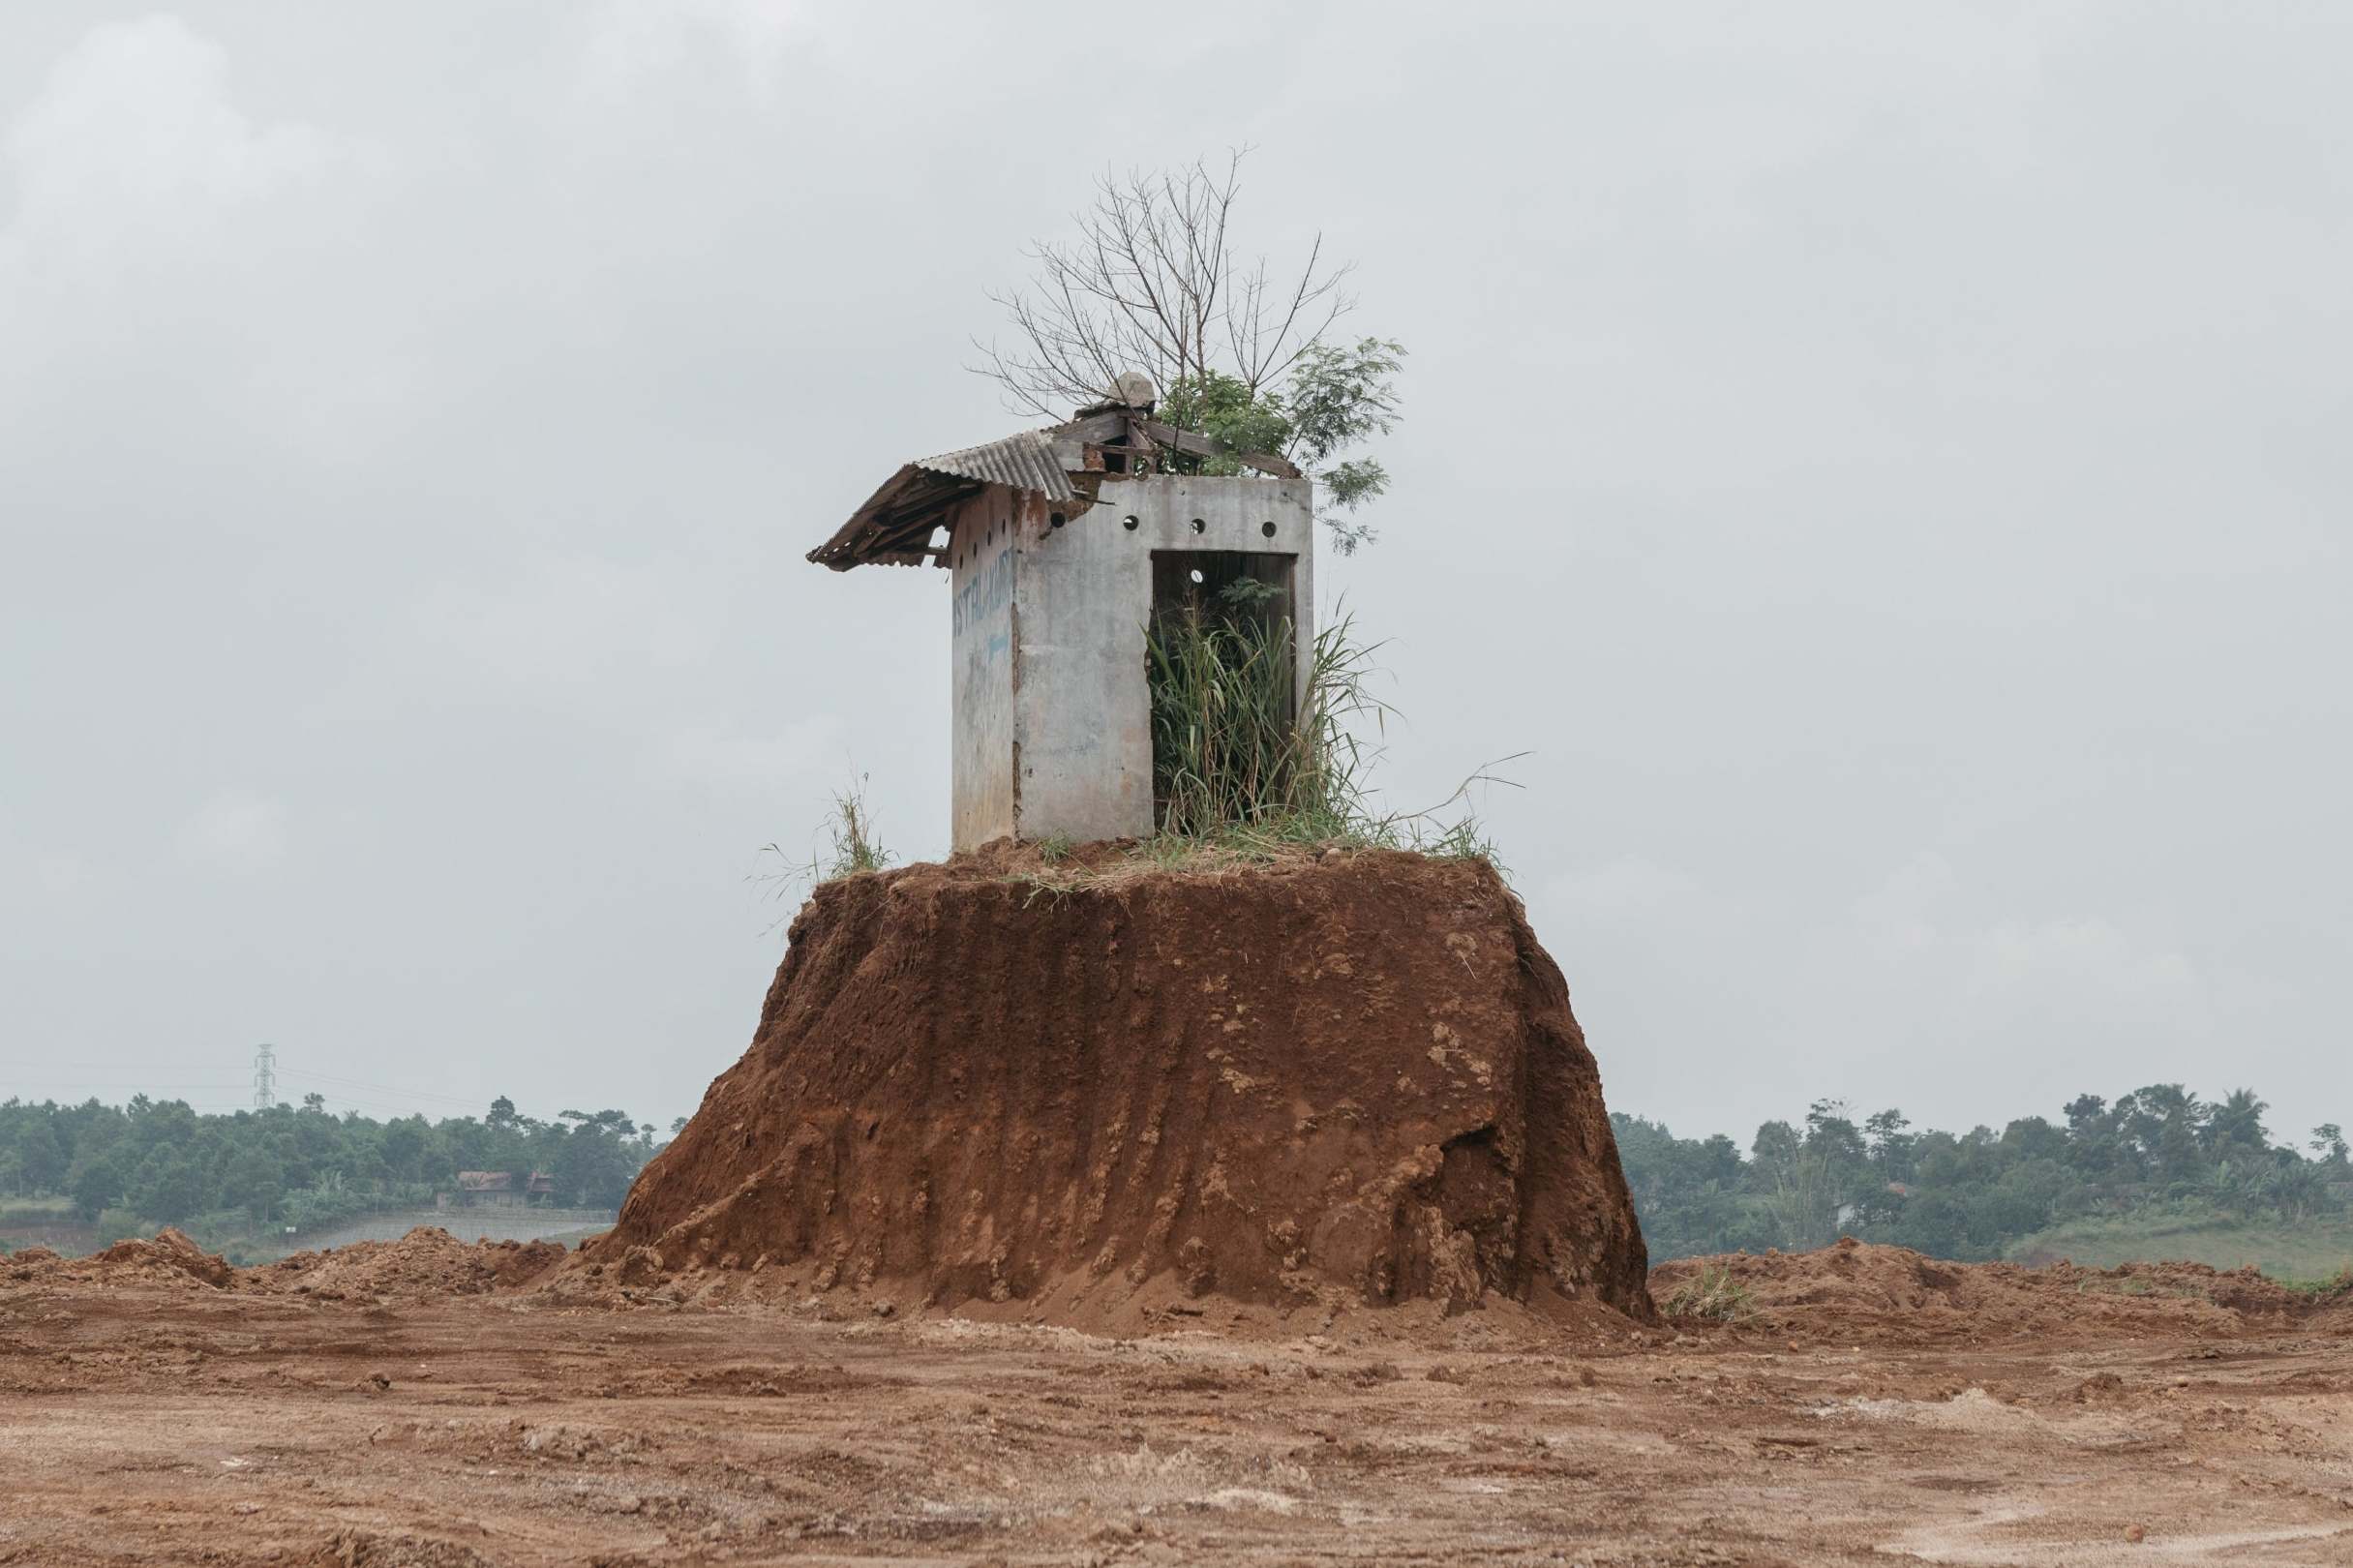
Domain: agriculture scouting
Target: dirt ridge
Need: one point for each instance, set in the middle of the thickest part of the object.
(426, 1264)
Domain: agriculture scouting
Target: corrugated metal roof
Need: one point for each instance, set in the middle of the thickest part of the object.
(897, 520)
(1025, 460)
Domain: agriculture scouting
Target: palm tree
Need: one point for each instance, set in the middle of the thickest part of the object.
(2238, 1122)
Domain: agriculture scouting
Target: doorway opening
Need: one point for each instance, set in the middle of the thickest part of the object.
(1221, 681)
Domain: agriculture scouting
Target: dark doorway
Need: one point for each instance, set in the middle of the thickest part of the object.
(1202, 581)
(1222, 679)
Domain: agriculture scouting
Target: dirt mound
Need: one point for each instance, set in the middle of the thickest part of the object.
(1857, 1291)
(428, 1262)
(425, 1263)
(170, 1260)
(368, 1549)
(1353, 1080)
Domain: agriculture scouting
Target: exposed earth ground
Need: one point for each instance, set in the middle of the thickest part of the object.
(1086, 1213)
(427, 1403)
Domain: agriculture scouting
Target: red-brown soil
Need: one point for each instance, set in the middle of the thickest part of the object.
(426, 1264)
(1356, 1189)
(1857, 1290)
(149, 1416)
(1350, 1080)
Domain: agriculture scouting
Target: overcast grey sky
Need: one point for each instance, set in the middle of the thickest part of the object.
(1876, 458)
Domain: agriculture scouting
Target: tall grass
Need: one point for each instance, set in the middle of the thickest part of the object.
(1228, 751)
(850, 827)
(1712, 1294)
(1238, 767)
(849, 846)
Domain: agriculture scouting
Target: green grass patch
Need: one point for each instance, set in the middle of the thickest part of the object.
(2340, 1283)
(35, 1210)
(1714, 1295)
(1240, 780)
(2307, 1251)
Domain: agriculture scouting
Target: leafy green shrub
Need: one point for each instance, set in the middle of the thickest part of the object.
(324, 1203)
(123, 1225)
(1337, 396)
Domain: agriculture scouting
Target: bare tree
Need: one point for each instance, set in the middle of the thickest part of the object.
(1153, 283)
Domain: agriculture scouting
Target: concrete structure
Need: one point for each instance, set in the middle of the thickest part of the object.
(1059, 545)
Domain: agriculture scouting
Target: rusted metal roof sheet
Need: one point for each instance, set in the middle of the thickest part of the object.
(895, 525)
(1026, 461)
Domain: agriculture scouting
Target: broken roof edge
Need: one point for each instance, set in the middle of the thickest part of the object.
(1026, 460)
(893, 525)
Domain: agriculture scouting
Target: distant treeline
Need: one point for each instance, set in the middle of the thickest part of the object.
(160, 1161)
(1971, 1195)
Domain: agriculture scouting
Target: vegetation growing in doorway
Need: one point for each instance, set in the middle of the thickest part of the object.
(1226, 749)
(1238, 770)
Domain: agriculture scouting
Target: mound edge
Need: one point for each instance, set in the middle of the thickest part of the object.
(1354, 1080)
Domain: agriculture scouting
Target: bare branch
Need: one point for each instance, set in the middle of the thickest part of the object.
(1149, 281)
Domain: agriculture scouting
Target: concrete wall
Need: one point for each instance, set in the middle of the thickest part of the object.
(1082, 594)
(983, 559)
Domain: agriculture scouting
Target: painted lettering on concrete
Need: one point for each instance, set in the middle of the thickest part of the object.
(986, 593)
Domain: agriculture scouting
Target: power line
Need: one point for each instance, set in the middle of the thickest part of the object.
(380, 1088)
(363, 1083)
(242, 1083)
(264, 1080)
(153, 1066)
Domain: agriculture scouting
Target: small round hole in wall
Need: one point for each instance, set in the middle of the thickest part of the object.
(1267, 529)
(1197, 574)
(1057, 520)
(1132, 523)
(1199, 526)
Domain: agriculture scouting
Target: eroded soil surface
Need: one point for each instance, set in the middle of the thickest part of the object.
(1356, 1073)
(354, 1414)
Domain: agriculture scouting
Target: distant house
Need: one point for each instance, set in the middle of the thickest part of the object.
(499, 1190)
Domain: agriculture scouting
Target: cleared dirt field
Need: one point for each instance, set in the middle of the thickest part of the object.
(150, 1416)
